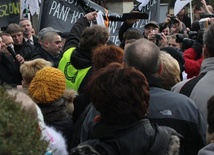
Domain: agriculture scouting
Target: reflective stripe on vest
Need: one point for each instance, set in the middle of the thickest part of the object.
(74, 77)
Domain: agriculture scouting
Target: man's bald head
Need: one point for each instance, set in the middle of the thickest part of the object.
(143, 55)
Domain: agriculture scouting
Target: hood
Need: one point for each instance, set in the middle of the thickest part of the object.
(55, 111)
(81, 59)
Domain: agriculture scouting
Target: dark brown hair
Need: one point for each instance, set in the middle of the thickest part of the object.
(120, 94)
(93, 36)
(13, 28)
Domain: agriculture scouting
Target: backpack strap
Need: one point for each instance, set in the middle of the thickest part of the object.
(189, 85)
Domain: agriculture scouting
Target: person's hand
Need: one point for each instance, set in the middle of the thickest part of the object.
(167, 19)
(131, 21)
(211, 20)
(163, 41)
(20, 59)
(179, 25)
(91, 16)
(205, 6)
(204, 2)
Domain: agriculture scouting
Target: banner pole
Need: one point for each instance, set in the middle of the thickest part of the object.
(40, 15)
(20, 14)
(191, 18)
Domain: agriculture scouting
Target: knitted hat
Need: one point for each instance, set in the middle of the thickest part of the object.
(47, 86)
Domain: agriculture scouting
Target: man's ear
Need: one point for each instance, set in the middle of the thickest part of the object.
(205, 52)
(45, 43)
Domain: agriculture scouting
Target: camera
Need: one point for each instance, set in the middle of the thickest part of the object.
(186, 42)
(174, 19)
(193, 34)
(158, 36)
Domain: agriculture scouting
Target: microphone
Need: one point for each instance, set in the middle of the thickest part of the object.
(206, 15)
(10, 48)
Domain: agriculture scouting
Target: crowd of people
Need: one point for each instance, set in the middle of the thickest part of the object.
(150, 95)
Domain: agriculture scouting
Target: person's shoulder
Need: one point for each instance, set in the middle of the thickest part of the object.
(35, 39)
(39, 52)
(207, 150)
(177, 87)
(167, 138)
(173, 98)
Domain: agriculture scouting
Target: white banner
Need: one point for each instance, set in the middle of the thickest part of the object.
(180, 4)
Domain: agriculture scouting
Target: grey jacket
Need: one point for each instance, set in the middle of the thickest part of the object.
(179, 112)
(203, 89)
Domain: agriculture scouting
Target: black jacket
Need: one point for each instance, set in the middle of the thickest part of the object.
(55, 115)
(80, 59)
(26, 50)
(42, 53)
(9, 71)
(36, 42)
(140, 138)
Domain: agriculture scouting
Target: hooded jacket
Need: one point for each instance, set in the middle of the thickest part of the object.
(55, 115)
(192, 62)
(80, 59)
(55, 139)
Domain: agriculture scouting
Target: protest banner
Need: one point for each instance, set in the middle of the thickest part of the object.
(62, 14)
(9, 12)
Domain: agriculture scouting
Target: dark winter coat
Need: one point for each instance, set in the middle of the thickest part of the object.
(140, 138)
(56, 115)
(26, 50)
(9, 71)
(42, 53)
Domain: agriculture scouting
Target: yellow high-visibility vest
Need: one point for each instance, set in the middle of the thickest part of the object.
(74, 77)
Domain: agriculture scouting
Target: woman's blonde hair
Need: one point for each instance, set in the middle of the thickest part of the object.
(170, 74)
(29, 68)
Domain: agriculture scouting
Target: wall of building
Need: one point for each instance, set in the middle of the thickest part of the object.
(120, 7)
